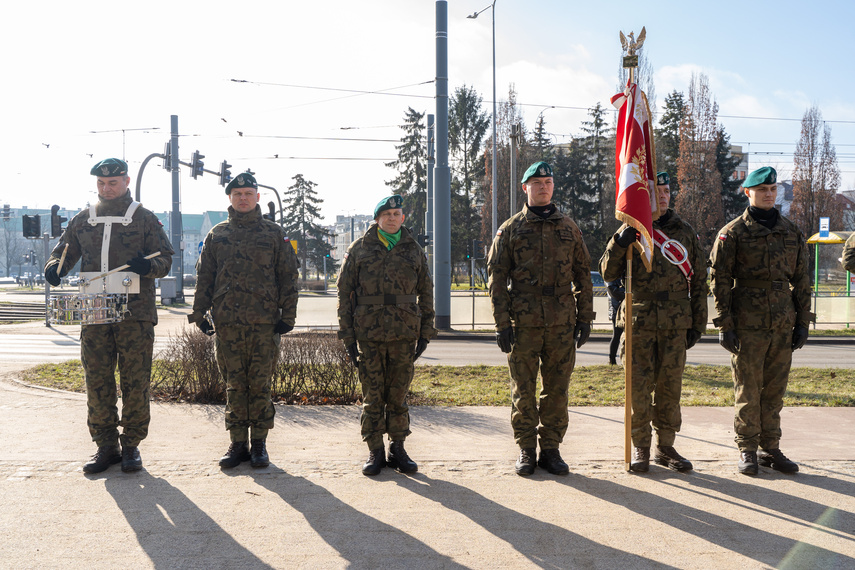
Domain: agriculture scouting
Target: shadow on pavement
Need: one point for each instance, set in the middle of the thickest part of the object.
(363, 541)
(171, 529)
(755, 543)
(544, 544)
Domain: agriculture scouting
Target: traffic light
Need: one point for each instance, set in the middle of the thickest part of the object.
(167, 154)
(197, 167)
(477, 249)
(423, 239)
(225, 173)
(56, 221)
(271, 207)
(32, 226)
(468, 251)
(7, 213)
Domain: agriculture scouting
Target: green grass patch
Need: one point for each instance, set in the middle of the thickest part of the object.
(600, 385)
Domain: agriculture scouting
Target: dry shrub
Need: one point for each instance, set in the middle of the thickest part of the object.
(312, 369)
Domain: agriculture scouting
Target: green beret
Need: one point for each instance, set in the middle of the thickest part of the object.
(662, 179)
(110, 167)
(765, 175)
(391, 203)
(537, 170)
(242, 180)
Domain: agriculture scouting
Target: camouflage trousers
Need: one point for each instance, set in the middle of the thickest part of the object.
(760, 374)
(129, 345)
(553, 351)
(246, 358)
(658, 359)
(385, 371)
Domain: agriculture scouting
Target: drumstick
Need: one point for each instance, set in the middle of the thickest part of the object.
(120, 268)
(61, 260)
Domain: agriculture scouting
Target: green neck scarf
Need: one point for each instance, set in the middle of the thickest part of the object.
(389, 240)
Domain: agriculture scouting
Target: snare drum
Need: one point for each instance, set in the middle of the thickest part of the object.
(99, 309)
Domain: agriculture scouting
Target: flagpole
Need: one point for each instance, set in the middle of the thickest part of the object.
(627, 368)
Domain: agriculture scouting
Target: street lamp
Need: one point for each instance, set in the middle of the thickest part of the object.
(495, 211)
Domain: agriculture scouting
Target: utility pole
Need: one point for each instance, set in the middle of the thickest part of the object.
(429, 211)
(516, 134)
(442, 173)
(176, 225)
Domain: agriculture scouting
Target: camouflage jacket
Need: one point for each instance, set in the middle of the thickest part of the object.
(143, 236)
(370, 270)
(746, 250)
(540, 272)
(686, 305)
(849, 254)
(246, 273)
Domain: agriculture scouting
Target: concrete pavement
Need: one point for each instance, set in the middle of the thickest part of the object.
(465, 508)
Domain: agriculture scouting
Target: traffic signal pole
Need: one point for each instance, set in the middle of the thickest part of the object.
(176, 225)
(46, 236)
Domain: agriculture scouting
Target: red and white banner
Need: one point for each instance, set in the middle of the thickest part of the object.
(635, 168)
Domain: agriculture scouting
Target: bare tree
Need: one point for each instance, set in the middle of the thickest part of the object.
(699, 200)
(816, 176)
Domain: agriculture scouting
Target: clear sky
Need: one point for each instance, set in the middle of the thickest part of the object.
(76, 74)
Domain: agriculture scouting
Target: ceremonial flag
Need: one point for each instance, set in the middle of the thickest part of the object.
(635, 168)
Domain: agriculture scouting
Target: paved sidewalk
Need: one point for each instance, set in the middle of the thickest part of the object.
(465, 508)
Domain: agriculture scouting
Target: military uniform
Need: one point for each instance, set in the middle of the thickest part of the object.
(665, 305)
(385, 305)
(762, 290)
(540, 284)
(247, 277)
(104, 241)
(849, 254)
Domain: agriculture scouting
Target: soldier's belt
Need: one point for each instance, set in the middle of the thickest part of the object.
(546, 291)
(660, 295)
(758, 284)
(385, 299)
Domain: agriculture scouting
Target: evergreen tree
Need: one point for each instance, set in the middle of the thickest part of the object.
(667, 138)
(541, 142)
(733, 199)
(301, 212)
(598, 144)
(411, 181)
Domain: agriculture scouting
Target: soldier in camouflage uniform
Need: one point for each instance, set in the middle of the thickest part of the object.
(762, 297)
(116, 231)
(542, 297)
(669, 315)
(849, 254)
(386, 319)
(247, 277)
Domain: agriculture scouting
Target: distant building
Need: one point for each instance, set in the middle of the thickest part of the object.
(347, 229)
(846, 205)
(784, 199)
(741, 170)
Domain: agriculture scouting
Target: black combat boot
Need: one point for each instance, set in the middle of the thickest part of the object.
(236, 453)
(105, 456)
(131, 460)
(258, 454)
(550, 459)
(526, 462)
(398, 458)
(776, 460)
(748, 463)
(376, 462)
(640, 460)
(666, 455)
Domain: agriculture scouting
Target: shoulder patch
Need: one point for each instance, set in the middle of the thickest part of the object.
(722, 237)
(287, 238)
(498, 232)
(346, 254)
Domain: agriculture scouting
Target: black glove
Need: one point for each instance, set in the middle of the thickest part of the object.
(800, 336)
(353, 353)
(52, 278)
(581, 333)
(729, 341)
(627, 237)
(505, 339)
(205, 327)
(420, 347)
(282, 328)
(140, 265)
(692, 338)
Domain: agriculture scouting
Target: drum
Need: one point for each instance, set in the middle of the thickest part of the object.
(99, 309)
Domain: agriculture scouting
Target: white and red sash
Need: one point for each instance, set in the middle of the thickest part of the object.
(674, 251)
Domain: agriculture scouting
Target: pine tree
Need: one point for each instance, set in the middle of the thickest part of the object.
(411, 181)
(598, 144)
(667, 138)
(301, 212)
(733, 199)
